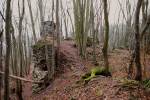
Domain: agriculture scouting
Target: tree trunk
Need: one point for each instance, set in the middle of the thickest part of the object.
(41, 6)
(32, 21)
(81, 24)
(144, 11)
(93, 32)
(21, 54)
(1, 65)
(57, 31)
(137, 42)
(8, 47)
(105, 47)
(128, 23)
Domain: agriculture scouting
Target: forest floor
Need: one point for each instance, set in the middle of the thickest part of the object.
(65, 86)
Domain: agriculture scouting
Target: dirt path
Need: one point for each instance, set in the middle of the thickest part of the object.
(65, 86)
(73, 68)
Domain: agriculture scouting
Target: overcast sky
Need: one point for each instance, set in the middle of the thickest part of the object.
(113, 13)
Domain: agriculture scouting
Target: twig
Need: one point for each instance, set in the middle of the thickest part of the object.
(22, 79)
(2, 16)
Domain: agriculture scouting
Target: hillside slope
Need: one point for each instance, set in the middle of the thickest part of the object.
(65, 86)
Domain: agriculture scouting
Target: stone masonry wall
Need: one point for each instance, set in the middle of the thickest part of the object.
(40, 72)
(43, 57)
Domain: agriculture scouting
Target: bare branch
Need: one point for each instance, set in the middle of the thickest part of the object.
(2, 16)
(21, 79)
(145, 27)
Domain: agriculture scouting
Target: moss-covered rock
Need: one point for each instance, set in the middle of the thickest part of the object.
(94, 72)
(40, 44)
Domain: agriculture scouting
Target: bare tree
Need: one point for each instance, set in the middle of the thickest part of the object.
(93, 32)
(53, 10)
(137, 41)
(41, 10)
(146, 26)
(21, 55)
(70, 21)
(128, 22)
(105, 47)
(1, 57)
(32, 21)
(8, 48)
(81, 24)
(136, 52)
(57, 29)
(65, 20)
(144, 11)
(1, 49)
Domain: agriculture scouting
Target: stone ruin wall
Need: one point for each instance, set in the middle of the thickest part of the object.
(40, 71)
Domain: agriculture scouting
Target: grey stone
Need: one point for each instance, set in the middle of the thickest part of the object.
(42, 49)
(48, 27)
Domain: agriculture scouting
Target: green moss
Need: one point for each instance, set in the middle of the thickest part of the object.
(37, 46)
(133, 83)
(40, 44)
(128, 83)
(146, 83)
(97, 70)
(94, 72)
(86, 75)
